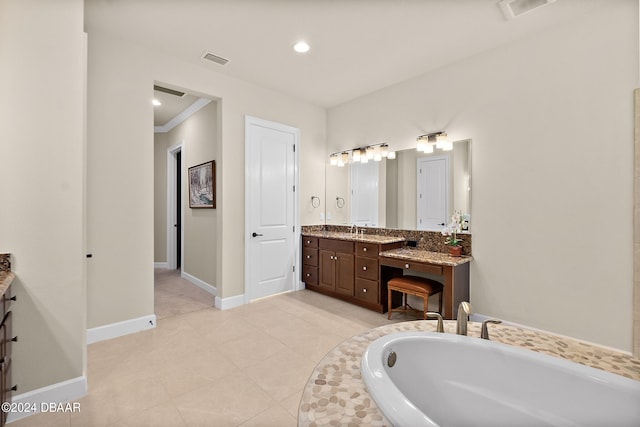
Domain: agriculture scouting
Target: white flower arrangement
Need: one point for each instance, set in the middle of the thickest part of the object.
(458, 223)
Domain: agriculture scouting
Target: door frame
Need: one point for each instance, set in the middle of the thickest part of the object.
(171, 207)
(248, 274)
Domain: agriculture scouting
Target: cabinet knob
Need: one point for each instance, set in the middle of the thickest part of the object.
(364, 249)
(308, 275)
(364, 290)
(308, 256)
(308, 242)
(364, 268)
(407, 266)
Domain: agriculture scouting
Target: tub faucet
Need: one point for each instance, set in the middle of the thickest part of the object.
(484, 332)
(435, 314)
(464, 310)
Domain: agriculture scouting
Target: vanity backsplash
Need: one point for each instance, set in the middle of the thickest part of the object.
(425, 240)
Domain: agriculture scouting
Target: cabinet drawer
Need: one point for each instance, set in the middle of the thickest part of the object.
(6, 301)
(310, 256)
(309, 242)
(369, 250)
(417, 266)
(367, 290)
(367, 268)
(337, 245)
(6, 330)
(310, 275)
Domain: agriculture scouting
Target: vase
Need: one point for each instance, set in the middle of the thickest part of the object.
(455, 250)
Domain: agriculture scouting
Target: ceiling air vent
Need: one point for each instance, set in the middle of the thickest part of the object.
(514, 8)
(214, 58)
(169, 91)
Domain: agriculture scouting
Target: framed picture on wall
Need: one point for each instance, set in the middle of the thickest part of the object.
(202, 185)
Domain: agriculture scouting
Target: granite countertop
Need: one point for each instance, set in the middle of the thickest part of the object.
(336, 395)
(417, 255)
(6, 277)
(363, 238)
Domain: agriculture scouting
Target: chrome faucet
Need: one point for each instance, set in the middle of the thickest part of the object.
(484, 333)
(352, 227)
(440, 325)
(464, 310)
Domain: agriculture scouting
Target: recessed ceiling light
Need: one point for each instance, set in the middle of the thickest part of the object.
(301, 47)
(156, 103)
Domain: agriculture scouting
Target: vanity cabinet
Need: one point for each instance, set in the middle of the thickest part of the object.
(336, 266)
(310, 260)
(6, 340)
(347, 269)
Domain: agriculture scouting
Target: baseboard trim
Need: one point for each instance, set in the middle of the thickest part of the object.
(62, 392)
(160, 265)
(118, 329)
(200, 283)
(230, 302)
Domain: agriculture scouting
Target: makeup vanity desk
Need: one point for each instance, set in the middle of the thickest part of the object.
(454, 271)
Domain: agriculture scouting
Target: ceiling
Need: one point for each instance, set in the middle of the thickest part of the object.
(357, 46)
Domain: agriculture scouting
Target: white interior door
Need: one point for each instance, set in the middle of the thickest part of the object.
(364, 194)
(433, 192)
(270, 255)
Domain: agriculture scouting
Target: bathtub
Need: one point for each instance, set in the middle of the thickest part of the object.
(452, 380)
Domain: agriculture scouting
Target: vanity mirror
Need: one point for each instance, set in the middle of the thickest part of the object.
(414, 191)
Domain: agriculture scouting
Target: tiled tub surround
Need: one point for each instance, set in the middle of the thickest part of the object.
(431, 241)
(336, 395)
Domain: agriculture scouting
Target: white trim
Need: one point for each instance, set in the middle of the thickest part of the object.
(477, 317)
(160, 265)
(171, 205)
(118, 329)
(248, 122)
(188, 112)
(229, 302)
(200, 283)
(62, 392)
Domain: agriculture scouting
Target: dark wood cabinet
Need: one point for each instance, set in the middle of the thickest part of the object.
(310, 260)
(346, 269)
(6, 342)
(336, 266)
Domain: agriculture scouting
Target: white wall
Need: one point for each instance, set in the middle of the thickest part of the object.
(550, 117)
(120, 145)
(42, 52)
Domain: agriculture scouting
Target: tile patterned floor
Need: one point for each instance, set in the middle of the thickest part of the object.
(204, 367)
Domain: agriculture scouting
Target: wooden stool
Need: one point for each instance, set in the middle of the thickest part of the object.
(414, 285)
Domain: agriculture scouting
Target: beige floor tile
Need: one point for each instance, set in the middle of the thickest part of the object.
(50, 419)
(281, 375)
(252, 348)
(165, 415)
(292, 403)
(229, 402)
(275, 416)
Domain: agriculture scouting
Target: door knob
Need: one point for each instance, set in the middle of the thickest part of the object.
(254, 234)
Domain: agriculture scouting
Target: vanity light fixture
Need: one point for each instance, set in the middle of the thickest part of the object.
(374, 152)
(426, 143)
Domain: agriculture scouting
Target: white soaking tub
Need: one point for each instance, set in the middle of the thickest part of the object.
(444, 380)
